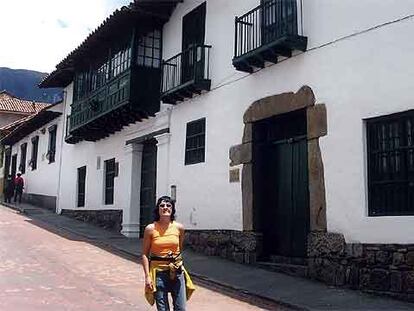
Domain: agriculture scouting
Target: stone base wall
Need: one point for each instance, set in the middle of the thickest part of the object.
(378, 268)
(238, 246)
(108, 219)
(45, 201)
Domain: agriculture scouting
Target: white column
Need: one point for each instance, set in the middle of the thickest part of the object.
(131, 212)
(163, 164)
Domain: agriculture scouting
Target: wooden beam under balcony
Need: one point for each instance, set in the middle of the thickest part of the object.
(269, 52)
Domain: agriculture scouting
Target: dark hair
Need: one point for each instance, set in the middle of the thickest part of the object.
(165, 198)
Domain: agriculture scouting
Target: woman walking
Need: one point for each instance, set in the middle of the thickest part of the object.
(162, 261)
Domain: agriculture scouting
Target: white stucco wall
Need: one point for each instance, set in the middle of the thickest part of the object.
(358, 63)
(86, 154)
(44, 179)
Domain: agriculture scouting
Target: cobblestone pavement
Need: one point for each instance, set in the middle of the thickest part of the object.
(40, 270)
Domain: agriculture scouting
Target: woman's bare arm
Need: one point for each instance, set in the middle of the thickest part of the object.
(182, 231)
(146, 247)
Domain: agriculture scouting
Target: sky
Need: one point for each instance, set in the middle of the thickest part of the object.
(38, 34)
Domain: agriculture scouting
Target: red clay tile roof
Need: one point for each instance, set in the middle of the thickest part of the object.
(11, 103)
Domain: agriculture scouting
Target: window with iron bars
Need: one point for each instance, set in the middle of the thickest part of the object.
(195, 142)
(81, 186)
(390, 147)
(109, 181)
(51, 150)
(35, 148)
(23, 149)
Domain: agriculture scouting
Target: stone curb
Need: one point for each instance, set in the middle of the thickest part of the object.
(14, 207)
(242, 291)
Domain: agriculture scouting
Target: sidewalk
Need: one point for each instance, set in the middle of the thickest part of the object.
(290, 291)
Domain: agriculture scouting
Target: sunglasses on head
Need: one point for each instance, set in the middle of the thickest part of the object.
(165, 205)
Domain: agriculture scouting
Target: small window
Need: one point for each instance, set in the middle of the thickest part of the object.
(390, 150)
(149, 49)
(195, 142)
(81, 186)
(51, 151)
(23, 151)
(109, 181)
(35, 148)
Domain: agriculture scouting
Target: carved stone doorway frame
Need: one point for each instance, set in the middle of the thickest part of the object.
(316, 127)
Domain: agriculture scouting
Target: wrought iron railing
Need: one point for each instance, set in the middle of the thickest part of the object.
(103, 100)
(191, 65)
(265, 24)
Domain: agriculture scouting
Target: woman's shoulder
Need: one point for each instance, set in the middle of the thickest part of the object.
(178, 225)
(150, 228)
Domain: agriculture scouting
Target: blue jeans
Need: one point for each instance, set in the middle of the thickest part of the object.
(176, 287)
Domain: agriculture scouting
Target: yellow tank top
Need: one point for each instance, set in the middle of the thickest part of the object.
(165, 241)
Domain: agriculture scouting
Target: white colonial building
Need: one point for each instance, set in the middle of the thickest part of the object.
(284, 132)
(33, 148)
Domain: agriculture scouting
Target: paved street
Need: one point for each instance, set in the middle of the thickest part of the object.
(40, 270)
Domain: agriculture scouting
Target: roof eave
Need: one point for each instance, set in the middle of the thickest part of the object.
(29, 126)
(147, 10)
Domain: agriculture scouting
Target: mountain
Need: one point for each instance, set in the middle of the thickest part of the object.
(23, 83)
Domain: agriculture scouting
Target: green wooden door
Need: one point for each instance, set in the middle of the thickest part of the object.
(280, 185)
(148, 184)
(288, 175)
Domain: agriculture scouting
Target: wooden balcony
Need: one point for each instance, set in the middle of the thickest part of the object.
(266, 33)
(127, 98)
(186, 74)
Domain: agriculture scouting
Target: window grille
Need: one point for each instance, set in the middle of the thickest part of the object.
(195, 142)
(81, 186)
(52, 144)
(23, 149)
(391, 164)
(35, 147)
(109, 181)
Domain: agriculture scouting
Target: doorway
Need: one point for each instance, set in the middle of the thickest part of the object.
(148, 184)
(280, 184)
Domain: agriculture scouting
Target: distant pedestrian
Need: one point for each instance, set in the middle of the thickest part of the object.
(162, 260)
(18, 187)
(8, 189)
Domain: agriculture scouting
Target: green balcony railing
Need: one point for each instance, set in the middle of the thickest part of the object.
(103, 100)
